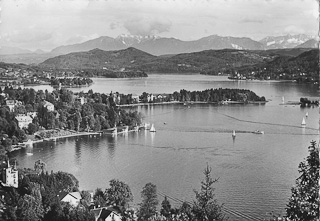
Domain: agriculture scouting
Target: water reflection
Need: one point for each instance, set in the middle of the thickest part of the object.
(111, 143)
(77, 151)
(152, 135)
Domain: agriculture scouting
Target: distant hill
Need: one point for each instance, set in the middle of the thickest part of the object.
(13, 50)
(312, 43)
(302, 68)
(133, 59)
(286, 41)
(99, 59)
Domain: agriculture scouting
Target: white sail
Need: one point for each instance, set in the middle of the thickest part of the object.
(303, 121)
(283, 100)
(307, 114)
(233, 133)
(152, 129)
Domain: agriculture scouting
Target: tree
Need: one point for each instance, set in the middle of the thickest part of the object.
(119, 194)
(98, 198)
(206, 207)
(40, 166)
(148, 207)
(165, 207)
(304, 202)
(32, 128)
(29, 208)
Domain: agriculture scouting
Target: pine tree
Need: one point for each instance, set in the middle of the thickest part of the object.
(165, 207)
(148, 207)
(206, 207)
(304, 202)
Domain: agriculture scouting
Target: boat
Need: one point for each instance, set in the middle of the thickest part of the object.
(303, 123)
(152, 129)
(258, 132)
(233, 133)
(283, 100)
(307, 114)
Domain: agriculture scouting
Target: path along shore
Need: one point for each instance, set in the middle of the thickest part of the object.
(70, 134)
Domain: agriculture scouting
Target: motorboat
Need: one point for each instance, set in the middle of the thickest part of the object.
(258, 132)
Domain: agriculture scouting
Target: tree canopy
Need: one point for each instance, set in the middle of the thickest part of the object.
(304, 202)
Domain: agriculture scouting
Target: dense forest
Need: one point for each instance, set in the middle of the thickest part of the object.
(97, 113)
(217, 95)
(111, 74)
(71, 81)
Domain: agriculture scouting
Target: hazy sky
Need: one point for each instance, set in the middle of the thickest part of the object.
(46, 24)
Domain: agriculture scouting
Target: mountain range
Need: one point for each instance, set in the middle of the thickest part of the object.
(132, 59)
(160, 46)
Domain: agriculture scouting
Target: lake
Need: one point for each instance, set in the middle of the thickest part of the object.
(255, 171)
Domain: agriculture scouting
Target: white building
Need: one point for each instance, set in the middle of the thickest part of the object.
(73, 198)
(49, 106)
(23, 121)
(107, 214)
(12, 103)
(10, 177)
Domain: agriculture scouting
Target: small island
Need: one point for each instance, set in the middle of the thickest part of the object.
(70, 82)
(214, 96)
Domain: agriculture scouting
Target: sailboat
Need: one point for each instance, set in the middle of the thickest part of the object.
(303, 123)
(307, 114)
(152, 129)
(233, 133)
(283, 100)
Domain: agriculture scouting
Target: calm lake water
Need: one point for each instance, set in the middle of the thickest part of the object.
(256, 172)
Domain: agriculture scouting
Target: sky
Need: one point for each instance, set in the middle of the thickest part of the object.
(46, 24)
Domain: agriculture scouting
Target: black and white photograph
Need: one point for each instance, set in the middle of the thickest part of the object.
(159, 110)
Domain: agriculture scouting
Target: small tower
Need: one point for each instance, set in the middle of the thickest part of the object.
(10, 176)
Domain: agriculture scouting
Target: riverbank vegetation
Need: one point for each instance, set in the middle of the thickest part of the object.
(217, 95)
(68, 111)
(70, 82)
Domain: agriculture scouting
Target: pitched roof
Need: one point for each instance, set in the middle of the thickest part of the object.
(103, 213)
(62, 194)
(23, 118)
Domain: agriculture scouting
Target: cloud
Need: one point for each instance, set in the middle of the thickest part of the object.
(292, 29)
(29, 36)
(81, 38)
(146, 26)
(251, 20)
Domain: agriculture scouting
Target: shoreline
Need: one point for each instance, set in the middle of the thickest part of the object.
(192, 102)
(24, 144)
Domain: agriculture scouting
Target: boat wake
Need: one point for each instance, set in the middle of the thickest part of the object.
(266, 123)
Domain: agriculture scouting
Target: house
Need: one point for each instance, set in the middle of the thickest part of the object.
(49, 106)
(107, 214)
(73, 198)
(150, 97)
(12, 103)
(23, 121)
(10, 176)
(135, 98)
(82, 100)
(32, 114)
